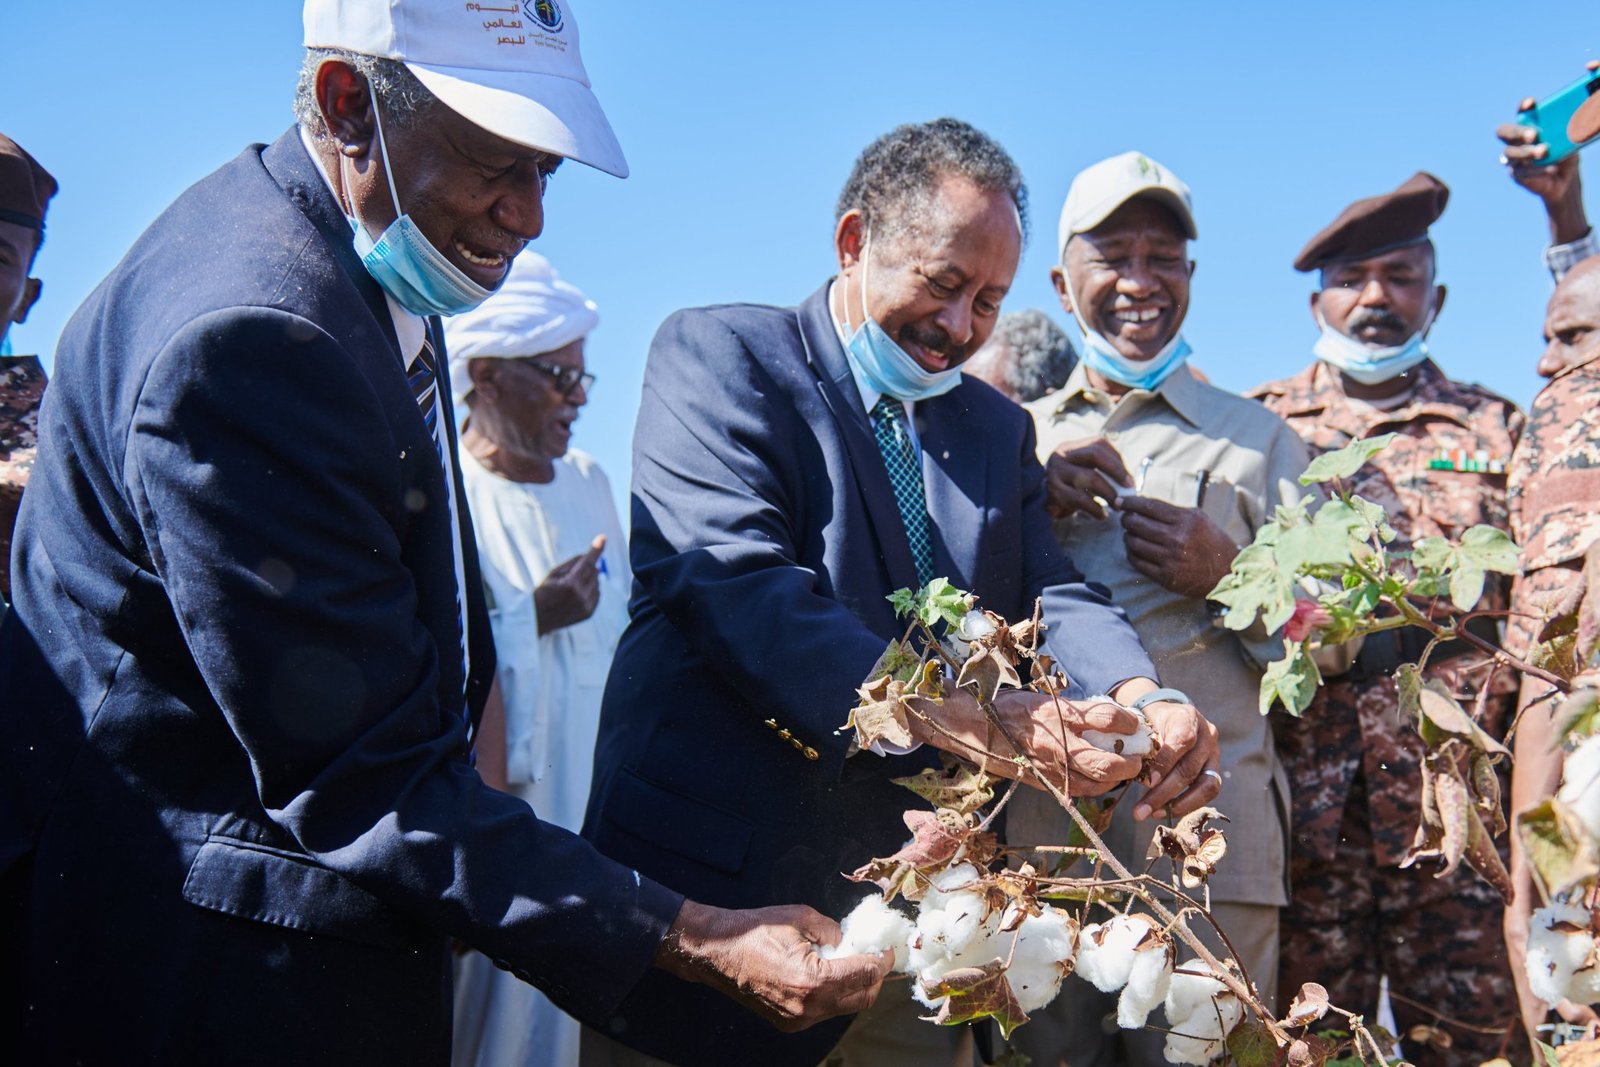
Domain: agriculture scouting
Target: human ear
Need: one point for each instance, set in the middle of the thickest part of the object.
(849, 237)
(345, 100)
(30, 296)
(1058, 278)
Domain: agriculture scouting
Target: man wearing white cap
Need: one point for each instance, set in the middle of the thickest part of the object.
(1155, 480)
(555, 565)
(238, 816)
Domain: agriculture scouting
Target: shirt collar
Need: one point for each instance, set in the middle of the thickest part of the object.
(409, 329)
(1181, 391)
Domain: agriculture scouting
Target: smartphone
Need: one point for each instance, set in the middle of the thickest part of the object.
(1551, 115)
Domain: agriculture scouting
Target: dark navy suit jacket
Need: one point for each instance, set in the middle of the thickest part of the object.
(765, 540)
(237, 817)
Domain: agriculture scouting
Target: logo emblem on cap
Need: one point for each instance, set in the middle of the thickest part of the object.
(546, 13)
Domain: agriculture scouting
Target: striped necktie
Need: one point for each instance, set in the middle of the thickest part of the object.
(890, 428)
(424, 378)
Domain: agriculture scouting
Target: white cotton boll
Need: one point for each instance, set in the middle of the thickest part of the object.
(1556, 959)
(1138, 743)
(975, 624)
(872, 927)
(1042, 956)
(943, 884)
(1106, 951)
(1148, 981)
(1580, 784)
(1201, 1012)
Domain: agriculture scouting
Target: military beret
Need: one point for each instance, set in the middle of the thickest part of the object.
(1378, 224)
(25, 187)
(1585, 122)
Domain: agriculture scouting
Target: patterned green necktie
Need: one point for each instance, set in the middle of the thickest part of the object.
(905, 474)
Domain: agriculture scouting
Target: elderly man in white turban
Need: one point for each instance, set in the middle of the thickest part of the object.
(556, 567)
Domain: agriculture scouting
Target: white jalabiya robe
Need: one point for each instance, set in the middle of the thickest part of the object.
(552, 687)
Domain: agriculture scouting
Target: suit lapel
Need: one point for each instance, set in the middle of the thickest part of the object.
(955, 472)
(838, 388)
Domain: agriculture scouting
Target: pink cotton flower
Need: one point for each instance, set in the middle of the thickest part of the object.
(1308, 618)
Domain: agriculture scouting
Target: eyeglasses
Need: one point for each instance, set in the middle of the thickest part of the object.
(565, 379)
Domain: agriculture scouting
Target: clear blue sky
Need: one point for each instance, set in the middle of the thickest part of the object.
(741, 119)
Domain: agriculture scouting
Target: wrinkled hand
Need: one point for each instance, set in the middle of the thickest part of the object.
(1179, 548)
(1048, 730)
(1179, 783)
(1079, 471)
(570, 592)
(766, 960)
(1559, 186)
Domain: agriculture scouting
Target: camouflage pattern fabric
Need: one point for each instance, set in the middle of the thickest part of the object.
(1354, 921)
(1555, 473)
(1354, 765)
(21, 390)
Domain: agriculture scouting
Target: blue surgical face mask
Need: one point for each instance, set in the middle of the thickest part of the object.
(886, 366)
(406, 264)
(1365, 363)
(1102, 357)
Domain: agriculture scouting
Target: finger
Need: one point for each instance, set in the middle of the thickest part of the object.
(1070, 499)
(812, 925)
(1153, 510)
(1514, 133)
(597, 546)
(1179, 727)
(1104, 715)
(1204, 789)
(849, 985)
(1093, 771)
(1147, 529)
(1104, 455)
(1186, 786)
(1147, 555)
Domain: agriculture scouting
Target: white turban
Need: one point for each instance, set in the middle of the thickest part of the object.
(532, 313)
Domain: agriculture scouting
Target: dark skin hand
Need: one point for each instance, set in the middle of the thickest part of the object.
(1079, 471)
(1559, 186)
(765, 959)
(1179, 548)
(570, 592)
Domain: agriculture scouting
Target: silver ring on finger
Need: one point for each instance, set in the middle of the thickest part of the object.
(1215, 774)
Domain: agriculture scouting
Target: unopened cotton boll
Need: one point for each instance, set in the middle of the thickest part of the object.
(1201, 1012)
(1138, 743)
(1107, 951)
(872, 927)
(1580, 784)
(1558, 961)
(1042, 955)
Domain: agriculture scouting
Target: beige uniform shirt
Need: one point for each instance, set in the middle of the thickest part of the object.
(1192, 444)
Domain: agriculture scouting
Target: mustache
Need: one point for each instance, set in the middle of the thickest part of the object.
(1380, 318)
(935, 339)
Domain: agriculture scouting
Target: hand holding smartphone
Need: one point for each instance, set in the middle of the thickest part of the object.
(1553, 115)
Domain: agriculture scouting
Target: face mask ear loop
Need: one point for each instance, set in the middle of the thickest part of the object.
(866, 268)
(388, 171)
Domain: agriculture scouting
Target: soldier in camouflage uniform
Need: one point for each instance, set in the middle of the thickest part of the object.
(25, 192)
(1354, 766)
(1555, 515)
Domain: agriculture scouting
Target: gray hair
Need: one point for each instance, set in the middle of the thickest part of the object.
(894, 178)
(1042, 356)
(406, 101)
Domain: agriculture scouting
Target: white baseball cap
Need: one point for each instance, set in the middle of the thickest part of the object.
(1099, 190)
(509, 66)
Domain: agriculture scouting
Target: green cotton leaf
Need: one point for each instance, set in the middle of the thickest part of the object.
(935, 602)
(1491, 549)
(1466, 586)
(977, 993)
(1331, 466)
(1431, 554)
(1376, 518)
(1291, 681)
(1255, 587)
(1252, 1045)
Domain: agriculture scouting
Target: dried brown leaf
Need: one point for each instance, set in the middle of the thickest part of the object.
(977, 993)
(1309, 1005)
(957, 785)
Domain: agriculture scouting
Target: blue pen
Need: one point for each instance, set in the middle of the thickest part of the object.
(605, 572)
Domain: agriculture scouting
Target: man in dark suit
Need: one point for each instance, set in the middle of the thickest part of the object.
(238, 819)
(792, 467)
